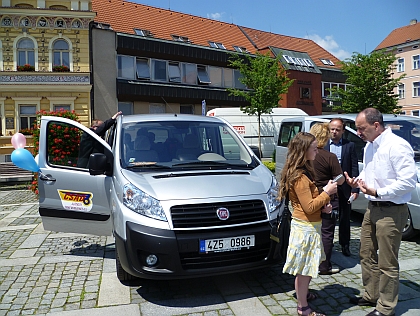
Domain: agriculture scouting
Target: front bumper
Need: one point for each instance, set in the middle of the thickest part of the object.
(178, 251)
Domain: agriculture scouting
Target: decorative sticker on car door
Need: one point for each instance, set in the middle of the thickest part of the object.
(75, 200)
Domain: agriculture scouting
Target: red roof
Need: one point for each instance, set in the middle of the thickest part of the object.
(401, 35)
(264, 39)
(124, 16)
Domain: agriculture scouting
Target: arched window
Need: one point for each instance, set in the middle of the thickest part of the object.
(26, 52)
(61, 53)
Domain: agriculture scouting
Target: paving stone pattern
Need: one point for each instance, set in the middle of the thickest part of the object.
(60, 274)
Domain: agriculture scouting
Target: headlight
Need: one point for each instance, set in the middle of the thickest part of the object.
(142, 203)
(272, 193)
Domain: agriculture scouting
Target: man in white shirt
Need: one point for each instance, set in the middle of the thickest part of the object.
(388, 177)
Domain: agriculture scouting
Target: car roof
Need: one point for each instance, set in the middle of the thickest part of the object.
(167, 117)
(352, 116)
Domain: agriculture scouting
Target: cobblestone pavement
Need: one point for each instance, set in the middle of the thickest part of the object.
(49, 273)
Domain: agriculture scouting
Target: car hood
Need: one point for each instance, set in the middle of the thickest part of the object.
(200, 184)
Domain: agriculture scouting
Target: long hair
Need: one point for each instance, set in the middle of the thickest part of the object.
(321, 131)
(296, 162)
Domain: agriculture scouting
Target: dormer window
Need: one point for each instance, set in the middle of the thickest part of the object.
(183, 39)
(327, 62)
(145, 33)
(240, 49)
(217, 45)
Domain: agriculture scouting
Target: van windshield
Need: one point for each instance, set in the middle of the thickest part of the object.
(409, 130)
(182, 145)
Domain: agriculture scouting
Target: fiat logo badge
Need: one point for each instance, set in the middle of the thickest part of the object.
(222, 213)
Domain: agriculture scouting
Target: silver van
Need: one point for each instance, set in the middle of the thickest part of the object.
(408, 127)
(183, 195)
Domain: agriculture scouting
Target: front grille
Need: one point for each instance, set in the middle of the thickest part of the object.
(204, 215)
(195, 260)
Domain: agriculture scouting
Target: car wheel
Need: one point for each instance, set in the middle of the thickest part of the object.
(408, 230)
(122, 275)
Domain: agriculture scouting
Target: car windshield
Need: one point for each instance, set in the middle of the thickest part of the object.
(182, 145)
(408, 129)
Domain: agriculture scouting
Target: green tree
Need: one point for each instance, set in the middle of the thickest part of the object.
(370, 83)
(266, 80)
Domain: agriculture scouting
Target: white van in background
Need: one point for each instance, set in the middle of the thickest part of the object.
(247, 125)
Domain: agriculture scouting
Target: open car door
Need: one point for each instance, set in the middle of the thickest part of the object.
(70, 198)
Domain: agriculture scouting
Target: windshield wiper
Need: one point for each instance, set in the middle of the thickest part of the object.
(146, 164)
(211, 164)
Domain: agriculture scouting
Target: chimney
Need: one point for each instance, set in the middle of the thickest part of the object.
(413, 21)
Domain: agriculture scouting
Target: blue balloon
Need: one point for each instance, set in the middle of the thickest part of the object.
(23, 158)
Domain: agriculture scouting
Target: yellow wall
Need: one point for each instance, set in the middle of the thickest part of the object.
(43, 85)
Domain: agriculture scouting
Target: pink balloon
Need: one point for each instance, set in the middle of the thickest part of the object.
(19, 140)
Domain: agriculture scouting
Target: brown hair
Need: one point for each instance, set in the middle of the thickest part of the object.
(321, 131)
(296, 162)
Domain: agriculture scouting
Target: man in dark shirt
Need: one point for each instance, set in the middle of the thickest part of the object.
(89, 145)
(347, 156)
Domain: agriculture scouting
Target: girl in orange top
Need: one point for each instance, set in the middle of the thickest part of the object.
(305, 251)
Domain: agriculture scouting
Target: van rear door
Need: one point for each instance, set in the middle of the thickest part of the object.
(70, 199)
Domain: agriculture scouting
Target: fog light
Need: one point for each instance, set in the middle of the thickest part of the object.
(151, 260)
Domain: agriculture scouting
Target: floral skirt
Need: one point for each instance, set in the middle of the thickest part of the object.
(305, 251)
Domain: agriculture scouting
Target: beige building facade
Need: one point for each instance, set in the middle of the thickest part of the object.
(404, 42)
(44, 60)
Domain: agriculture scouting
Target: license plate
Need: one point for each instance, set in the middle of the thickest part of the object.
(227, 244)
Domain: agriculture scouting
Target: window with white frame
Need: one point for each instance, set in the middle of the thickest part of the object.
(143, 69)
(62, 107)
(142, 32)
(401, 91)
(61, 53)
(416, 89)
(400, 64)
(27, 116)
(61, 103)
(159, 72)
(189, 73)
(217, 45)
(415, 113)
(125, 66)
(174, 72)
(178, 38)
(25, 52)
(416, 62)
(240, 49)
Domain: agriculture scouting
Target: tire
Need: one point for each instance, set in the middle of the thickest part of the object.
(122, 275)
(408, 230)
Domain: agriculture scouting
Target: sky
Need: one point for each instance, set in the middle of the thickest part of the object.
(342, 27)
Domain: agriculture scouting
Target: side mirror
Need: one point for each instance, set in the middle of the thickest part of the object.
(97, 164)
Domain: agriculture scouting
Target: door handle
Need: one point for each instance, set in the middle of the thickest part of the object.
(46, 177)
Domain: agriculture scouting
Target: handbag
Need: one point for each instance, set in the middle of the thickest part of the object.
(280, 232)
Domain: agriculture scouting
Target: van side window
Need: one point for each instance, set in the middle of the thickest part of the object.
(358, 143)
(287, 132)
